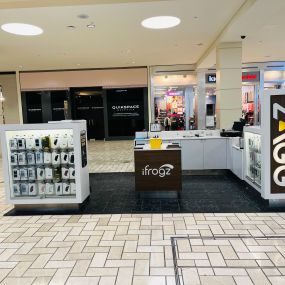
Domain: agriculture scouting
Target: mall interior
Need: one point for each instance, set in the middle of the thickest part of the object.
(142, 142)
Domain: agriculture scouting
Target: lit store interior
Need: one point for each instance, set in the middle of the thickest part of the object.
(142, 142)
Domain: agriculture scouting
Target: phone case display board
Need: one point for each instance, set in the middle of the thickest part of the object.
(253, 158)
(45, 163)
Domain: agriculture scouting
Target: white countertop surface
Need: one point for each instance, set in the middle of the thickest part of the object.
(146, 147)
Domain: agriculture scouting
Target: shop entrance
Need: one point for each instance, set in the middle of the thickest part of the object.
(88, 105)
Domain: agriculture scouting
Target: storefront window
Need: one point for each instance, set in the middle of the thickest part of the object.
(172, 97)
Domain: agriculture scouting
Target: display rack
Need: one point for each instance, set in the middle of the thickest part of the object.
(253, 155)
(45, 163)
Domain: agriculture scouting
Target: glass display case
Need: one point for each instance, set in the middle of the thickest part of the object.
(253, 157)
(45, 163)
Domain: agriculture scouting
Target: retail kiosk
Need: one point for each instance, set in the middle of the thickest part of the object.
(45, 164)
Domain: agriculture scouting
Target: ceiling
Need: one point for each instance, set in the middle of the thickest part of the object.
(119, 40)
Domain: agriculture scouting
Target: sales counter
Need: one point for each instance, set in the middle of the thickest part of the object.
(202, 150)
(158, 170)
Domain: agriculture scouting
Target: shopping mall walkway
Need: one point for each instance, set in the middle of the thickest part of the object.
(140, 249)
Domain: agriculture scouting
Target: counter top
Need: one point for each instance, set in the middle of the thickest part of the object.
(164, 146)
(187, 138)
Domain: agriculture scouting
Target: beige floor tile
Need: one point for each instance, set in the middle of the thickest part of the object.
(17, 281)
(82, 281)
(125, 276)
(60, 276)
(42, 281)
(149, 280)
(142, 267)
(80, 268)
(107, 280)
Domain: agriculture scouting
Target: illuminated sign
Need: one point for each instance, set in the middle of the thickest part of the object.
(250, 76)
(277, 141)
(246, 77)
(211, 78)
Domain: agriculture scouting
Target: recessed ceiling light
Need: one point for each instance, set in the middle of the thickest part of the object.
(78, 64)
(22, 29)
(199, 44)
(195, 17)
(161, 22)
(267, 56)
(71, 27)
(91, 26)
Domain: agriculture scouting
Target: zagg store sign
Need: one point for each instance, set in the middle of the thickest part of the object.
(277, 141)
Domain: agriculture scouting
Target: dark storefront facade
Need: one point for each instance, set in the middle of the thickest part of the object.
(113, 113)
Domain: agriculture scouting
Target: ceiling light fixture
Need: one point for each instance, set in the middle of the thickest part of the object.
(91, 26)
(161, 22)
(22, 29)
(71, 27)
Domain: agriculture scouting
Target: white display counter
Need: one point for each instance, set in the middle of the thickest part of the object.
(45, 164)
(202, 149)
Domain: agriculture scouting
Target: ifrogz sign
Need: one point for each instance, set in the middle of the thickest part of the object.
(158, 170)
(277, 141)
(163, 171)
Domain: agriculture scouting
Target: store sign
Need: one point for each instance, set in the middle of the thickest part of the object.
(125, 110)
(211, 78)
(158, 170)
(246, 77)
(162, 171)
(277, 142)
(250, 76)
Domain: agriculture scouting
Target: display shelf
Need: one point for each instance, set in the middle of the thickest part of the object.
(45, 163)
(253, 157)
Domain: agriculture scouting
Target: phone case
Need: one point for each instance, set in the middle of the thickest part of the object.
(14, 159)
(22, 160)
(65, 173)
(71, 157)
(48, 173)
(21, 144)
(31, 158)
(30, 143)
(24, 188)
(55, 158)
(66, 188)
(31, 173)
(39, 157)
(40, 173)
(16, 190)
(47, 157)
(16, 174)
(58, 188)
(13, 143)
(64, 157)
(32, 189)
(23, 173)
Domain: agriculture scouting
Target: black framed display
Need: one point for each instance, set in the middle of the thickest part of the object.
(126, 111)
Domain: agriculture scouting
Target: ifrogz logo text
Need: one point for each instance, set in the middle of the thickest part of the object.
(162, 171)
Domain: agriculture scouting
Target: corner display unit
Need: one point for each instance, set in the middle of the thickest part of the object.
(264, 149)
(45, 164)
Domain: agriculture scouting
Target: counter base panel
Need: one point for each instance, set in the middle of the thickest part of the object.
(152, 172)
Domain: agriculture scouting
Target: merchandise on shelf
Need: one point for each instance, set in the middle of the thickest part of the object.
(42, 165)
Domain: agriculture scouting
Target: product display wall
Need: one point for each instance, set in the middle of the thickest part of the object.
(41, 163)
(45, 163)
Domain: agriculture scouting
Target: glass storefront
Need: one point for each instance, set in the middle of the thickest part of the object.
(172, 97)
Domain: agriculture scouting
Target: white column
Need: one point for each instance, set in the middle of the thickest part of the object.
(200, 113)
(229, 83)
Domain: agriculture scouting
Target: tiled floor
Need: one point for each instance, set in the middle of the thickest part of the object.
(136, 249)
(110, 156)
